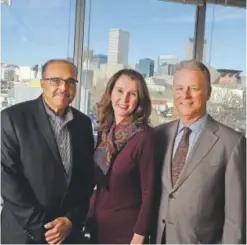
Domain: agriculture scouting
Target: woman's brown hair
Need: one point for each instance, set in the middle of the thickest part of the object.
(140, 115)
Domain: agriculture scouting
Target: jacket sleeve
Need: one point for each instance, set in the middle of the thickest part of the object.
(16, 192)
(78, 215)
(146, 172)
(235, 196)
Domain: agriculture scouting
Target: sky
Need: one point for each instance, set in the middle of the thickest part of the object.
(34, 31)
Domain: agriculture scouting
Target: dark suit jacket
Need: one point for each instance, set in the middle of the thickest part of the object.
(207, 204)
(34, 188)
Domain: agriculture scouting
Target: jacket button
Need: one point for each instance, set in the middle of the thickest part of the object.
(163, 221)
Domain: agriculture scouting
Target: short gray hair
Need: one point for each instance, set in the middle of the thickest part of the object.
(58, 60)
(196, 65)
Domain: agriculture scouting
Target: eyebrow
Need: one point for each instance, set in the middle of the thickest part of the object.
(130, 90)
(59, 77)
(181, 85)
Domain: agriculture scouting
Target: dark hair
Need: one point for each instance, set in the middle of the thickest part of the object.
(196, 65)
(58, 60)
(140, 115)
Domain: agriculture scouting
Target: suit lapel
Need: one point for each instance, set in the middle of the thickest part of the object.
(166, 171)
(45, 127)
(202, 147)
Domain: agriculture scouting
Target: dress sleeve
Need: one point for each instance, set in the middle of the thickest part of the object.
(146, 167)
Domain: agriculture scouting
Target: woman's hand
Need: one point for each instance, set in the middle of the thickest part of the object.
(137, 239)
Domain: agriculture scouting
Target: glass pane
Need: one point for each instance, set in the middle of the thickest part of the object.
(148, 35)
(225, 34)
(33, 31)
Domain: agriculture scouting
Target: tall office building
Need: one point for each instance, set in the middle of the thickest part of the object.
(87, 54)
(8, 72)
(189, 50)
(99, 59)
(118, 46)
(167, 64)
(146, 67)
(37, 69)
(8, 2)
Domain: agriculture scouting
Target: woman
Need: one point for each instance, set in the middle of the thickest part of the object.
(122, 203)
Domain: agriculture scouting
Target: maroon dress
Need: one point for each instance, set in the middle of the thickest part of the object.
(126, 207)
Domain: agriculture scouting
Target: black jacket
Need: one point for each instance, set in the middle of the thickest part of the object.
(34, 187)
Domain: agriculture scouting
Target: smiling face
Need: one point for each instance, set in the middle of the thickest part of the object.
(190, 95)
(58, 97)
(124, 97)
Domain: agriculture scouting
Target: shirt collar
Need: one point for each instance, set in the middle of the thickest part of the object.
(196, 126)
(68, 115)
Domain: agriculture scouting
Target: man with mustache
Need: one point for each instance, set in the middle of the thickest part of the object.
(47, 166)
(201, 179)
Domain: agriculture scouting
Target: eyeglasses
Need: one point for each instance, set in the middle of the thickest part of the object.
(57, 81)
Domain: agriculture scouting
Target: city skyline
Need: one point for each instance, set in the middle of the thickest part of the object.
(118, 46)
(29, 39)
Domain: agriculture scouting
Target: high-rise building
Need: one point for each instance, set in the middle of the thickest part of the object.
(8, 72)
(146, 67)
(37, 71)
(99, 59)
(118, 46)
(190, 47)
(167, 64)
(8, 2)
(87, 54)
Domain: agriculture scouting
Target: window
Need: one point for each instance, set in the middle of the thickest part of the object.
(148, 35)
(33, 31)
(226, 58)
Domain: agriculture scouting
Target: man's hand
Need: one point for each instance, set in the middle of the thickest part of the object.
(58, 230)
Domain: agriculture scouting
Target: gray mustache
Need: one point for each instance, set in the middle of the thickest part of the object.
(64, 93)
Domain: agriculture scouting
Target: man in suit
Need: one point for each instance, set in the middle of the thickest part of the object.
(202, 169)
(47, 166)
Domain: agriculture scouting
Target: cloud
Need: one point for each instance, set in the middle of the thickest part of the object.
(219, 15)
